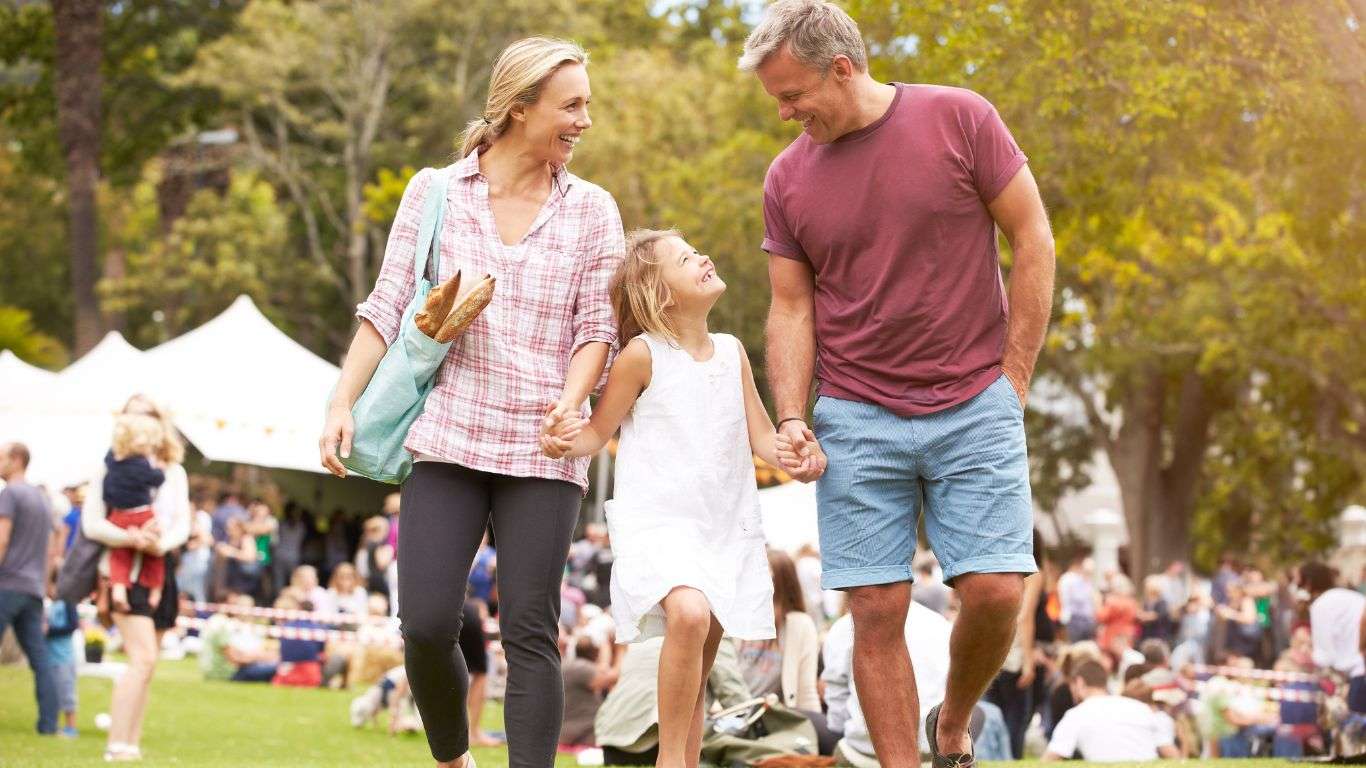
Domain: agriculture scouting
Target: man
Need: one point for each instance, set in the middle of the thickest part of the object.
(25, 535)
(1107, 729)
(880, 223)
(75, 496)
(1336, 619)
(1078, 599)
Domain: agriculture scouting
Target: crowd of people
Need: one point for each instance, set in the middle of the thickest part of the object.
(1233, 664)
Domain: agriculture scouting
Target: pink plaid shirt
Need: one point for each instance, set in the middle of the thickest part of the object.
(551, 298)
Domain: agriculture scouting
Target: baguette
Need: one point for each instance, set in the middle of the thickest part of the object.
(466, 310)
(437, 307)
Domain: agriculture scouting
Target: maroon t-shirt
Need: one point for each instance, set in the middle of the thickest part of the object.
(893, 219)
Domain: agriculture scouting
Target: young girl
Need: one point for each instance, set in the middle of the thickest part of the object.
(130, 478)
(684, 520)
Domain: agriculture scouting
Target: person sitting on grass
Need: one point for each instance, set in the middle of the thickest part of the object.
(301, 660)
(232, 651)
(1106, 728)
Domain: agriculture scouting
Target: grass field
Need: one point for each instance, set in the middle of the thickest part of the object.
(191, 722)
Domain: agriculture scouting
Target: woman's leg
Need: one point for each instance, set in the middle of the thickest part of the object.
(140, 707)
(445, 510)
(140, 643)
(533, 522)
(687, 628)
(694, 748)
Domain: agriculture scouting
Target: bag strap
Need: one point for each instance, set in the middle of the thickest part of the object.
(433, 214)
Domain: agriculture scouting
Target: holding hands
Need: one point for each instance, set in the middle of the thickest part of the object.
(560, 428)
(798, 451)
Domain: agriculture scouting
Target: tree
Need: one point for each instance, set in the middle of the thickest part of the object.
(79, 25)
(18, 335)
(1177, 146)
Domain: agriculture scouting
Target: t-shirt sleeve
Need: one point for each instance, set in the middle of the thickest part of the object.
(1164, 730)
(778, 237)
(1064, 741)
(7, 504)
(996, 158)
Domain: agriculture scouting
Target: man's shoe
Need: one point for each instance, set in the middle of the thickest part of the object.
(953, 760)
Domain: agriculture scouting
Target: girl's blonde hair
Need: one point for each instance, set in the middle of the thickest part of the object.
(639, 294)
(172, 448)
(136, 434)
(518, 75)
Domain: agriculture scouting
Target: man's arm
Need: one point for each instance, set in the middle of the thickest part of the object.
(1020, 214)
(6, 525)
(790, 351)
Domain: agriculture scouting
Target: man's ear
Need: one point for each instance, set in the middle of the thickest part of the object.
(842, 68)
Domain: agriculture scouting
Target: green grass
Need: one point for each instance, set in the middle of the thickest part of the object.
(191, 722)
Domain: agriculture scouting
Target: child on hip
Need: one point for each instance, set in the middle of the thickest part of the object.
(132, 475)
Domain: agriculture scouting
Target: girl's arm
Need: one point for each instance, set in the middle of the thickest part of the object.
(764, 441)
(630, 375)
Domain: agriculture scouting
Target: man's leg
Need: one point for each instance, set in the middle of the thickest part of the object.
(868, 502)
(979, 520)
(882, 672)
(979, 644)
(27, 619)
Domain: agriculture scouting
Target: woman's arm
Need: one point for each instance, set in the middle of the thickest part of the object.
(172, 507)
(94, 522)
(1033, 588)
(630, 375)
(809, 652)
(367, 349)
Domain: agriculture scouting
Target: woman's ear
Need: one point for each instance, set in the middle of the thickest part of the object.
(517, 112)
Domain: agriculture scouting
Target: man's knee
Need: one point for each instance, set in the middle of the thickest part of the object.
(879, 611)
(991, 594)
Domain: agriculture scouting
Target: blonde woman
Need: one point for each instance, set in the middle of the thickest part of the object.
(552, 242)
(142, 624)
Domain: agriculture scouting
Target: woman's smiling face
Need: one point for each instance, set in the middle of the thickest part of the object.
(554, 124)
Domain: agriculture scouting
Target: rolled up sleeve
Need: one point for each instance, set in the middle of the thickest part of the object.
(593, 318)
(394, 287)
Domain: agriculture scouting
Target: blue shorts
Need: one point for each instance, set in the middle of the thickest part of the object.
(967, 463)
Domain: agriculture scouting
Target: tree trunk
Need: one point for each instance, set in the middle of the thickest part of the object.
(78, 25)
(1157, 485)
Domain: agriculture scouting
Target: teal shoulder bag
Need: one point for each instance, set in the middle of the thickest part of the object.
(397, 392)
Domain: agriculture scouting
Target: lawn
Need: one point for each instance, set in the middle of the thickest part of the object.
(191, 722)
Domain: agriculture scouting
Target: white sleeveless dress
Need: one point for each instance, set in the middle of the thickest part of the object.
(685, 507)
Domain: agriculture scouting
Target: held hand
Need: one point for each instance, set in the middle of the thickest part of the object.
(1026, 678)
(558, 439)
(798, 452)
(337, 433)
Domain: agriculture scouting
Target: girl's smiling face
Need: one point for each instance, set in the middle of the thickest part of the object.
(690, 276)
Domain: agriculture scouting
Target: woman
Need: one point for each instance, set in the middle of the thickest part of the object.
(345, 594)
(552, 242)
(143, 624)
(1013, 688)
(1155, 617)
(193, 576)
(375, 557)
(786, 665)
(1118, 614)
(1242, 626)
(242, 562)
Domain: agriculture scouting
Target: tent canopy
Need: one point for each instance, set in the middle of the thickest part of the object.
(237, 387)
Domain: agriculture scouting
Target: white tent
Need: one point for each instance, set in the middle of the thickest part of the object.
(237, 387)
(242, 391)
(17, 376)
(66, 422)
(789, 515)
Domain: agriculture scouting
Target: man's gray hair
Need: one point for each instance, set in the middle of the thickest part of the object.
(815, 31)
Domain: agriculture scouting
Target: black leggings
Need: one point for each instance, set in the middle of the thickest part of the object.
(446, 508)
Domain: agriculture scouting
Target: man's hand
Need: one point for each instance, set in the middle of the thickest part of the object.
(1020, 383)
(798, 452)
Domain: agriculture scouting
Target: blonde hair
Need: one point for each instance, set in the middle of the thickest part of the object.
(638, 291)
(517, 77)
(135, 434)
(171, 450)
(815, 31)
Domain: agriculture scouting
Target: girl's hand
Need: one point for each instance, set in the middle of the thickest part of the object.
(559, 432)
(804, 462)
(337, 433)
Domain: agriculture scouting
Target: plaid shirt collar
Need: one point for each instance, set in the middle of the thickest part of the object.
(468, 167)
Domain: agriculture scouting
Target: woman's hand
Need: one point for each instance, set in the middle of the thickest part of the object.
(337, 433)
(147, 538)
(559, 429)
